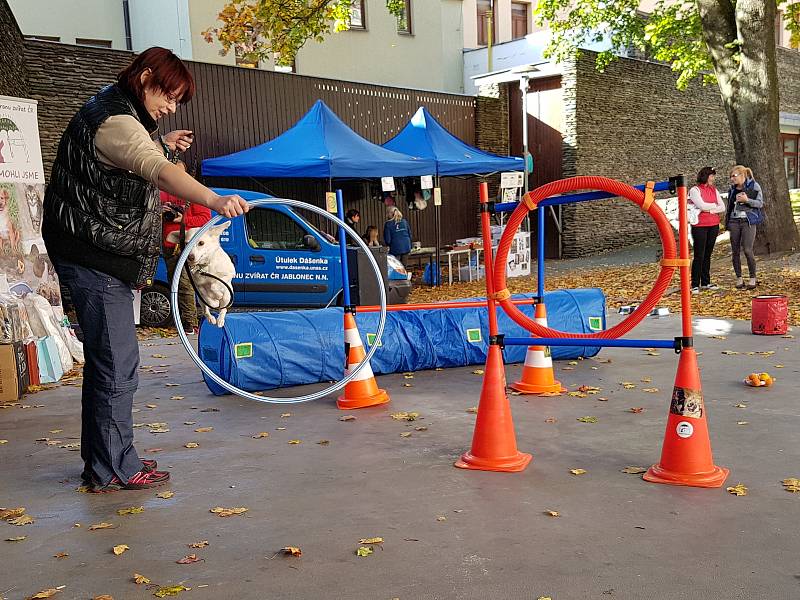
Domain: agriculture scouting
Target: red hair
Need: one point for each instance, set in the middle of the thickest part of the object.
(168, 75)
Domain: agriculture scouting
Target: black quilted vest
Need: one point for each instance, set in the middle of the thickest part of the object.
(99, 217)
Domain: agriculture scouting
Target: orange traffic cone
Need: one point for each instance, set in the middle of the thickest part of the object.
(537, 373)
(686, 455)
(494, 445)
(363, 391)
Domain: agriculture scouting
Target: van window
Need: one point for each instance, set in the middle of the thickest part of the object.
(269, 229)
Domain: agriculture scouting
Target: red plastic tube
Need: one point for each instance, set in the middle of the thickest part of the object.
(570, 185)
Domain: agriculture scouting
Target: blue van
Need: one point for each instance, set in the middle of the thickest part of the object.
(281, 260)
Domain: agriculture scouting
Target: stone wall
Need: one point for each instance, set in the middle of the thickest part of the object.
(13, 71)
(632, 124)
(62, 78)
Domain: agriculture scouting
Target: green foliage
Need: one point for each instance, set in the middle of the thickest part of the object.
(260, 29)
(671, 33)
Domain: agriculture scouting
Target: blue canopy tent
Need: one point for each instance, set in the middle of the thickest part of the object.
(424, 136)
(320, 145)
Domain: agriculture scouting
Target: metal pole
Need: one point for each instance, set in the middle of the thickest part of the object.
(489, 36)
(437, 306)
(523, 87)
(436, 277)
(343, 251)
(491, 303)
(540, 254)
(683, 239)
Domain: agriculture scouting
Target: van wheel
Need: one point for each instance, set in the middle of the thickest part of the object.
(156, 309)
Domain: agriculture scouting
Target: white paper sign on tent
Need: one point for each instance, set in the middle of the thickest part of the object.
(426, 182)
(513, 179)
(437, 196)
(387, 184)
(330, 202)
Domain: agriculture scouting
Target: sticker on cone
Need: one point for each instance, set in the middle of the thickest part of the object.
(684, 429)
(362, 391)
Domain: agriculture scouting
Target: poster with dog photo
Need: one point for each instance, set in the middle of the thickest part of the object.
(23, 256)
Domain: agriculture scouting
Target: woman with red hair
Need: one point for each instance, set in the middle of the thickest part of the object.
(102, 229)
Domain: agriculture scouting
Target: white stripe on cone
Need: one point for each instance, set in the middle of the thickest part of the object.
(351, 337)
(538, 358)
(365, 373)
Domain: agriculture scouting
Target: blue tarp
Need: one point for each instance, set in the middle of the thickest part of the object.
(263, 351)
(319, 145)
(424, 136)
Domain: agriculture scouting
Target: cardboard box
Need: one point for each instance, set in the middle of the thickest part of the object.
(9, 384)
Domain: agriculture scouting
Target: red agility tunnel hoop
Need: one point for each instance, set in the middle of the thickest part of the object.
(643, 200)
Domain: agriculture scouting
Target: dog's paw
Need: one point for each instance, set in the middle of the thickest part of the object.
(212, 319)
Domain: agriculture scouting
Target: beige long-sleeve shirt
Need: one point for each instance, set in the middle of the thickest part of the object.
(122, 142)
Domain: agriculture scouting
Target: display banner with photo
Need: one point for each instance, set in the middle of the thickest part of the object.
(23, 257)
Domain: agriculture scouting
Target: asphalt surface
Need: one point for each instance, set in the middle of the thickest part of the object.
(448, 533)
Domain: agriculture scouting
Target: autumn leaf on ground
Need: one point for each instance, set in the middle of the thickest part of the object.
(120, 548)
(573, 362)
(544, 598)
(577, 394)
(177, 397)
(742, 422)
(407, 385)
(172, 384)
(421, 428)
(260, 435)
(48, 593)
(10, 513)
(646, 379)
(347, 418)
(102, 525)
(405, 434)
(372, 540)
(587, 419)
(130, 511)
(636, 409)
(589, 389)
(227, 512)
(61, 555)
(473, 410)
(729, 352)
(577, 471)
(285, 415)
(364, 551)
(188, 559)
(165, 495)
(140, 579)
(203, 429)
(650, 390)
(191, 445)
(170, 590)
(295, 442)
(548, 394)
(627, 385)
(103, 597)
(634, 470)
(280, 429)
(408, 376)
(550, 420)
(441, 518)
(740, 405)
(292, 551)
(151, 405)
(3, 442)
(737, 490)
(201, 544)
(405, 416)
(552, 513)
(478, 372)
(791, 484)
(324, 442)
(19, 538)
(158, 356)
(20, 521)
(778, 366)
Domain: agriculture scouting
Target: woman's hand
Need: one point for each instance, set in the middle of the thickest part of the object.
(229, 206)
(180, 139)
(741, 197)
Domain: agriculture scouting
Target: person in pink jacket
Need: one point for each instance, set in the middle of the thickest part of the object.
(706, 198)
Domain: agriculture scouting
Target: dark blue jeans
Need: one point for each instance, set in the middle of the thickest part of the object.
(104, 305)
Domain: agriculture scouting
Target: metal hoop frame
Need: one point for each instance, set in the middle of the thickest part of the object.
(269, 399)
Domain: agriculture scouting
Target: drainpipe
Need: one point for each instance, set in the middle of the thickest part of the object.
(489, 34)
(126, 16)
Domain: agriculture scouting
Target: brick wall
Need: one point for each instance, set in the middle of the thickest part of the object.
(13, 72)
(62, 78)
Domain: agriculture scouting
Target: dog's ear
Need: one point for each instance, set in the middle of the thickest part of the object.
(173, 237)
(219, 229)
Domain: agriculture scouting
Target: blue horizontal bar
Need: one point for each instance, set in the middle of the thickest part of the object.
(661, 186)
(593, 342)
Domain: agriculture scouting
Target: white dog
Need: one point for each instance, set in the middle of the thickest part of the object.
(208, 258)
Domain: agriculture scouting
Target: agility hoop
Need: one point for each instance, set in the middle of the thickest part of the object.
(532, 199)
(269, 399)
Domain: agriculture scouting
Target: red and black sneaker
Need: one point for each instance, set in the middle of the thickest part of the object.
(140, 481)
(148, 464)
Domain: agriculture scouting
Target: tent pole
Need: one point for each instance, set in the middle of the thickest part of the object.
(435, 276)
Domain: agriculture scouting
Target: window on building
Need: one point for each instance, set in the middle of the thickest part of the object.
(358, 15)
(242, 60)
(404, 19)
(272, 230)
(779, 29)
(519, 20)
(95, 43)
(44, 38)
(484, 7)
(791, 145)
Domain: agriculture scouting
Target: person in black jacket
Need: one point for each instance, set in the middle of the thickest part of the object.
(102, 229)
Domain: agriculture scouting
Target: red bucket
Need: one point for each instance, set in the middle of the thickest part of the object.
(770, 315)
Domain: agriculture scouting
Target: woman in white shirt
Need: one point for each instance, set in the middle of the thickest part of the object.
(706, 198)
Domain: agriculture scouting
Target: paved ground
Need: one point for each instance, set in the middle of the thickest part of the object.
(449, 534)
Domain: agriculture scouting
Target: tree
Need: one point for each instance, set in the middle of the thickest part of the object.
(730, 42)
(261, 29)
